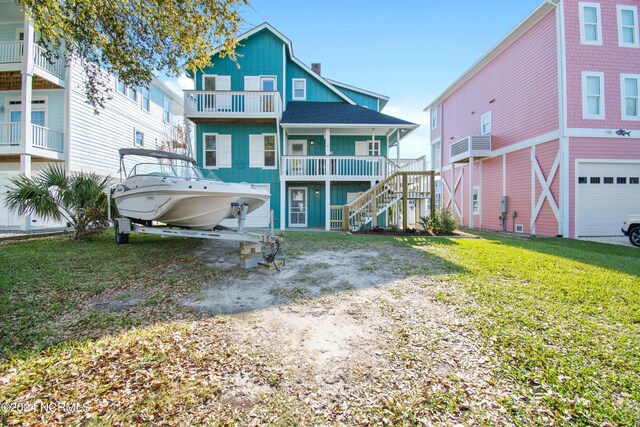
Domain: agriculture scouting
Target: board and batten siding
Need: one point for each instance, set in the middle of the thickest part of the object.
(360, 98)
(316, 90)
(96, 139)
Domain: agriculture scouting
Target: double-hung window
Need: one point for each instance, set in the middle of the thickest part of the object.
(167, 110)
(476, 201)
(269, 150)
(138, 138)
(217, 150)
(299, 89)
(590, 23)
(630, 90)
(121, 87)
(144, 94)
(262, 151)
(434, 118)
(592, 95)
(627, 26)
(485, 123)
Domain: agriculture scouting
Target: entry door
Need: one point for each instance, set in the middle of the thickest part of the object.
(298, 207)
(297, 148)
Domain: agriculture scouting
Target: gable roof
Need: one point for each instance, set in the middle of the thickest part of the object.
(287, 42)
(383, 99)
(337, 113)
(540, 12)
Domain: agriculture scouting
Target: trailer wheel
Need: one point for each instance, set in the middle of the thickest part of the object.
(121, 238)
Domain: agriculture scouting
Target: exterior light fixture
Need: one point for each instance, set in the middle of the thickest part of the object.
(317, 192)
(312, 142)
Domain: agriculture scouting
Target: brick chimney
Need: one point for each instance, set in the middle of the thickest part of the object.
(317, 68)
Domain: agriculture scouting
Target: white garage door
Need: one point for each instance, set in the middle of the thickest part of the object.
(606, 193)
(257, 219)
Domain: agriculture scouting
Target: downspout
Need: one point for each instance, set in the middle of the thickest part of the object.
(563, 226)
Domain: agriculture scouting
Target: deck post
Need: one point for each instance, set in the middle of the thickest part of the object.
(432, 193)
(283, 203)
(405, 202)
(25, 125)
(327, 205)
(345, 218)
(374, 211)
(471, 218)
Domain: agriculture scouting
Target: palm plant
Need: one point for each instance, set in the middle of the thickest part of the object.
(79, 199)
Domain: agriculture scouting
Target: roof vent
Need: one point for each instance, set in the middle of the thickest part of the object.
(317, 68)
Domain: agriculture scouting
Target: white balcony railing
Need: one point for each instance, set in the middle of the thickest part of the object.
(11, 52)
(229, 104)
(471, 146)
(41, 137)
(345, 168)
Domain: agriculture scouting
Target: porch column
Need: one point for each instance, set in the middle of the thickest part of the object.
(327, 142)
(327, 205)
(25, 125)
(283, 204)
(471, 219)
(398, 146)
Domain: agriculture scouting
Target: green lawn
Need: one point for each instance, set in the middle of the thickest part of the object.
(561, 318)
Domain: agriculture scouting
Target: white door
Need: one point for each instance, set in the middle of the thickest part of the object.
(252, 95)
(605, 194)
(259, 218)
(297, 207)
(297, 148)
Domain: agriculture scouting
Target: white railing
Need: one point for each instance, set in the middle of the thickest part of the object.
(41, 137)
(40, 59)
(413, 165)
(232, 104)
(10, 52)
(336, 167)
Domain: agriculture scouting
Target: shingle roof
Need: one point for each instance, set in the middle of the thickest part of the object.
(299, 112)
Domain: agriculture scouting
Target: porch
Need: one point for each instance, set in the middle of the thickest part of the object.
(11, 66)
(209, 106)
(45, 143)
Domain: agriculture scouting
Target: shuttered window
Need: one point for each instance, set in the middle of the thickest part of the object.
(217, 150)
(262, 151)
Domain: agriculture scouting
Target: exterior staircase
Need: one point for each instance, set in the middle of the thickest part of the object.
(400, 186)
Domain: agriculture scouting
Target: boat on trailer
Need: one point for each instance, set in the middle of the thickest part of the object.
(175, 191)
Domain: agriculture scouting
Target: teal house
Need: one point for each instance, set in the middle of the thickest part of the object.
(270, 120)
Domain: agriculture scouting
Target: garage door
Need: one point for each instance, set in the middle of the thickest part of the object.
(606, 193)
(257, 219)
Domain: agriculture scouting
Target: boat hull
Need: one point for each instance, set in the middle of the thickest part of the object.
(197, 204)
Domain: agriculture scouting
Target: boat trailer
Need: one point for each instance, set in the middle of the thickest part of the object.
(256, 249)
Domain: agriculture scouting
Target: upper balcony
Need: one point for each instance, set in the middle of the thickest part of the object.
(45, 143)
(11, 53)
(471, 146)
(216, 106)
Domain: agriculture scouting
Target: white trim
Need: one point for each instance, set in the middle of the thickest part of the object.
(346, 125)
(545, 183)
(135, 137)
(434, 118)
(504, 174)
(475, 191)
(480, 192)
(275, 151)
(482, 123)
(34, 107)
(536, 140)
(582, 5)
(534, 17)
(293, 89)
(267, 77)
(306, 213)
(562, 104)
(623, 100)
(601, 133)
(380, 97)
(204, 150)
(284, 78)
(290, 143)
(585, 96)
(634, 9)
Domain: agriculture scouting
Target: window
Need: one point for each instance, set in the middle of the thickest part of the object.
(436, 155)
(627, 26)
(133, 94)
(485, 124)
(621, 180)
(122, 88)
(269, 150)
(299, 89)
(594, 180)
(590, 28)
(582, 180)
(608, 180)
(262, 151)
(167, 109)
(476, 201)
(374, 148)
(592, 95)
(144, 94)
(368, 148)
(217, 150)
(630, 90)
(634, 180)
(268, 84)
(434, 118)
(138, 139)
(209, 82)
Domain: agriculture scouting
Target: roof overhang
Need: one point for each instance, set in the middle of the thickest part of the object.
(534, 17)
(383, 99)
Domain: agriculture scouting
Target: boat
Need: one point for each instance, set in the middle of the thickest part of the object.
(173, 190)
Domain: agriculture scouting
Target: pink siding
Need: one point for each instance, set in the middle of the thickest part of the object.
(608, 59)
(519, 188)
(546, 222)
(519, 87)
(491, 192)
(595, 148)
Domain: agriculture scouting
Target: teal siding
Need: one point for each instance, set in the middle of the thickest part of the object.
(346, 145)
(240, 170)
(360, 98)
(261, 54)
(339, 191)
(316, 91)
(315, 204)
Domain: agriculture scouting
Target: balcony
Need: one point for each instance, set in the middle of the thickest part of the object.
(45, 142)
(471, 146)
(11, 60)
(209, 106)
(336, 168)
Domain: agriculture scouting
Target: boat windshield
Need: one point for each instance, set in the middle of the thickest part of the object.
(173, 171)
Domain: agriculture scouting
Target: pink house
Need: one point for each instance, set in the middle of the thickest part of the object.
(542, 134)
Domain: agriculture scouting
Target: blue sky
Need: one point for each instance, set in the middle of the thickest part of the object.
(410, 51)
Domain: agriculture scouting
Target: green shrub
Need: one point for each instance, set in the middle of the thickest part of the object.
(442, 222)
